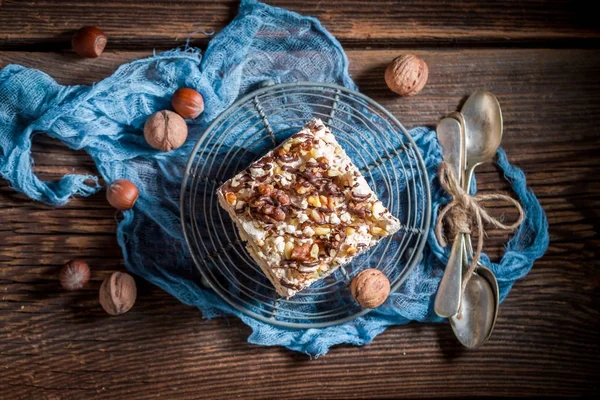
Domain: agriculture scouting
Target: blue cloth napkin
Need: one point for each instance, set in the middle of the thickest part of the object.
(106, 120)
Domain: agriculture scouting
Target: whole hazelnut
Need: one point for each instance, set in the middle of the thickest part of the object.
(187, 102)
(74, 275)
(165, 130)
(118, 293)
(89, 41)
(370, 288)
(406, 75)
(122, 194)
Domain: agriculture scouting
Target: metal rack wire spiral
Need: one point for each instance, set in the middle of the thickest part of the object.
(378, 145)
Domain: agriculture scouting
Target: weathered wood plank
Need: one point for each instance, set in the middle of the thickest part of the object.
(48, 24)
(62, 345)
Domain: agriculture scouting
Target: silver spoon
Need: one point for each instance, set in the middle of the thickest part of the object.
(447, 300)
(482, 120)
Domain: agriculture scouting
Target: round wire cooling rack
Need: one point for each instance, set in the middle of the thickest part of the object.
(378, 145)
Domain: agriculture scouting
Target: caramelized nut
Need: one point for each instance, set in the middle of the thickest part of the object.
(316, 216)
(322, 230)
(313, 153)
(314, 251)
(231, 198)
(323, 160)
(331, 203)
(265, 190)
(377, 209)
(323, 200)
(377, 231)
(287, 250)
(267, 209)
(300, 189)
(350, 231)
(314, 201)
(301, 253)
(283, 199)
(278, 214)
(351, 250)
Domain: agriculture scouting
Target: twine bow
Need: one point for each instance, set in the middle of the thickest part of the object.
(465, 210)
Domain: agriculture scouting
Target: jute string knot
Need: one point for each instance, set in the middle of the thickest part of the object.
(466, 213)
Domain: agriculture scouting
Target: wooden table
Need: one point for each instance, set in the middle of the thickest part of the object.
(542, 59)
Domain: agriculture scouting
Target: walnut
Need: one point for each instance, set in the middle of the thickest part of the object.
(278, 214)
(283, 198)
(301, 253)
(406, 75)
(370, 288)
(165, 130)
(118, 293)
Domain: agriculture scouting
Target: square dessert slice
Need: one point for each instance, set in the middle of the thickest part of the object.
(304, 210)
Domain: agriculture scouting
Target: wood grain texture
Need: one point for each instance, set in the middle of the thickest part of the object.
(137, 24)
(55, 344)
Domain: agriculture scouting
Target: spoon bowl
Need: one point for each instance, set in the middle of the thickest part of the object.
(474, 321)
(483, 130)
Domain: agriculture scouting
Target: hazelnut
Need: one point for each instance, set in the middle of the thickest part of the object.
(74, 275)
(165, 130)
(370, 288)
(89, 42)
(118, 293)
(122, 194)
(187, 102)
(406, 75)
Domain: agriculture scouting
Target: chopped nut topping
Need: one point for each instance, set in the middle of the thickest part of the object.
(316, 216)
(287, 250)
(231, 198)
(314, 251)
(314, 201)
(301, 253)
(377, 209)
(322, 230)
(377, 231)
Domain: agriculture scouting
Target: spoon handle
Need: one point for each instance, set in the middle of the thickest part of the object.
(468, 247)
(447, 300)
